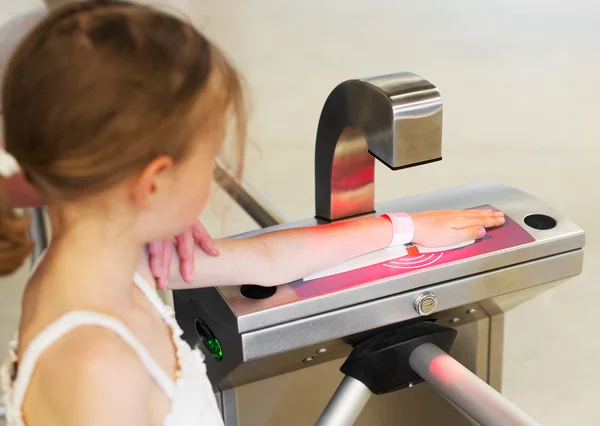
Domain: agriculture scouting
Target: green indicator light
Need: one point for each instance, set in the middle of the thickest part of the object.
(208, 338)
(214, 347)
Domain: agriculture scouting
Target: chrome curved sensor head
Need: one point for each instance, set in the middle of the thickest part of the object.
(395, 118)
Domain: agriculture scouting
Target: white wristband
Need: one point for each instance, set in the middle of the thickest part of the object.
(404, 228)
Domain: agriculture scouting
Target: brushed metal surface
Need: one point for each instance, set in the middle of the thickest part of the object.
(395, 118)
(286, 306)
(353, 319)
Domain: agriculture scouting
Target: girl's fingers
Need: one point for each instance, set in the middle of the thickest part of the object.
(155, 249)
(185, 250)
(168, 248)
(484, 222)
(475, 213)
(204, 240)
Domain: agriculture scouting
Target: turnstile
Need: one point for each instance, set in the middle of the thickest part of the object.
(252, 333)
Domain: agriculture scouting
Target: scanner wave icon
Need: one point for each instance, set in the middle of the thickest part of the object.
(414, 262)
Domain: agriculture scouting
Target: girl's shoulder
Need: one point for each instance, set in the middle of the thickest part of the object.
(88, 366)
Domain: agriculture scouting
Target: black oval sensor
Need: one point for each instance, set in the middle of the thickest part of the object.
(540, 221)
(257, 292)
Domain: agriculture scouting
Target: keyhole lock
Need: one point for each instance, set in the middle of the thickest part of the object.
(425, 303)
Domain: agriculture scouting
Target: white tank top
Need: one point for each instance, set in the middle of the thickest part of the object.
(192, 399)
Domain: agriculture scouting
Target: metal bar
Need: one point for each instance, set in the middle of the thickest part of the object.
(496, 351)
(249, 199)
(38, 233)
(229, 407)
(2, 413)
(346, 404)
(471, 394)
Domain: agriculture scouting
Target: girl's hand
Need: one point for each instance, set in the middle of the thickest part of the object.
(161, 253)
(451, 227)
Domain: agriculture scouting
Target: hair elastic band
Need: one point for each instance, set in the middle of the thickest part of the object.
(8, 165)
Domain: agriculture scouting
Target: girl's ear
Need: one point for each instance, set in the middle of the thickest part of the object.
(151, 180)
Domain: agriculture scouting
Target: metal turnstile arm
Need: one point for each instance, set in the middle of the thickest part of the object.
(450, 378)
(471, 394)
(346, 404)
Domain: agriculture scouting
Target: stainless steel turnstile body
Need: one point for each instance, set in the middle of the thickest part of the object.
(297, 328)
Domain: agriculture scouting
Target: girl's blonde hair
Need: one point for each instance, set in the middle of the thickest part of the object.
(99, 89)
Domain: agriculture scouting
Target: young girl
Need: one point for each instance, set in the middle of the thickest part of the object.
(21, 194)
(130, 105)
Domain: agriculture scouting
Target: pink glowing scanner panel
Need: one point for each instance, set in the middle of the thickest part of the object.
(397, 261)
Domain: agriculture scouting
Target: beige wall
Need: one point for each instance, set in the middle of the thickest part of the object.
(520, 82)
